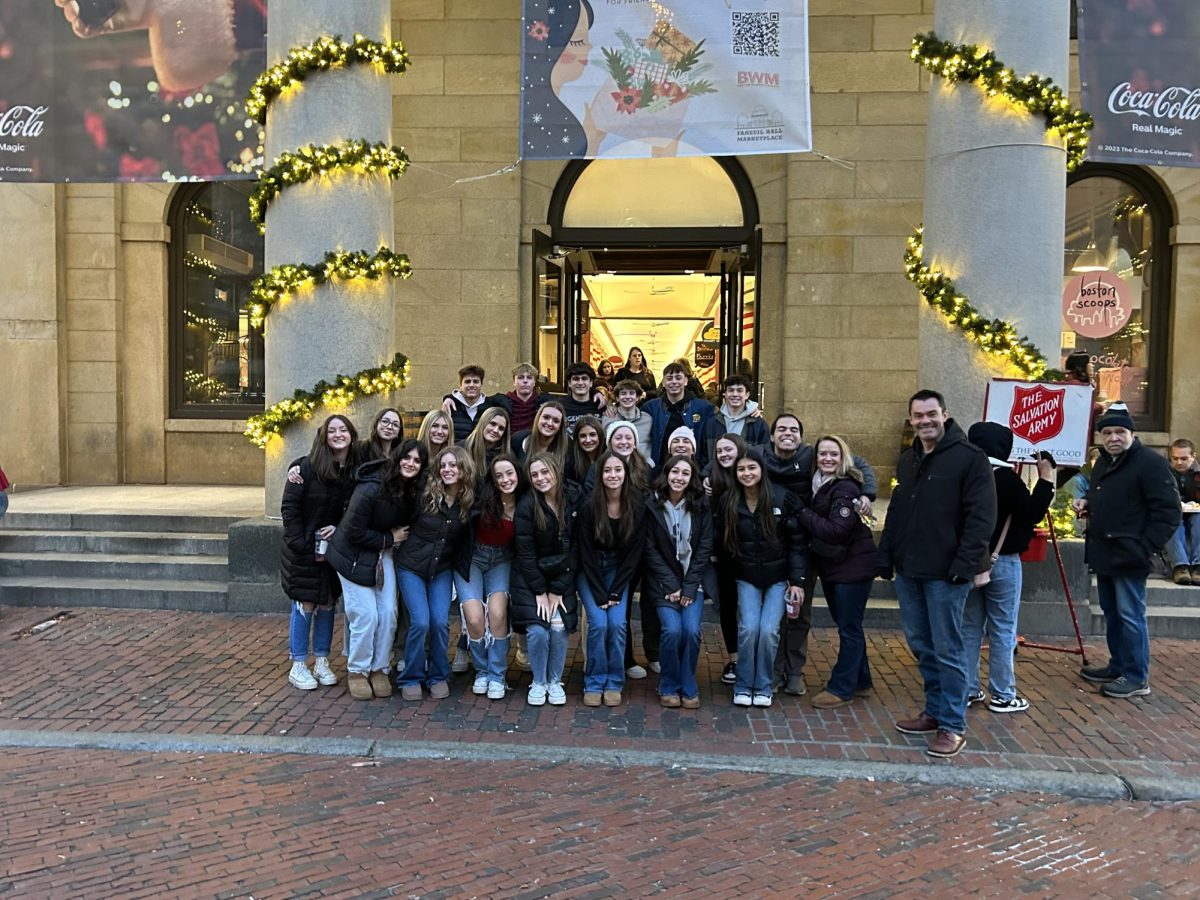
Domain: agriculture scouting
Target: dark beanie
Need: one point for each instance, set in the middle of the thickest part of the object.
(1116, 416)
(992, 438)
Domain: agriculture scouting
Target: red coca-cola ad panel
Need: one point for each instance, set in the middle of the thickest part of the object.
(129, 90)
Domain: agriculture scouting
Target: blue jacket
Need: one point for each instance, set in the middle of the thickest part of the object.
(696, 414)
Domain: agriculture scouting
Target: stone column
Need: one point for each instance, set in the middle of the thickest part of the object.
(995, 196)
(333, 329)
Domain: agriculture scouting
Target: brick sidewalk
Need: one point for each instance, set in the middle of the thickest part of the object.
(92, 823)
(191, 673)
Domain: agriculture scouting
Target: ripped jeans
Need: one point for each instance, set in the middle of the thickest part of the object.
(490, 568)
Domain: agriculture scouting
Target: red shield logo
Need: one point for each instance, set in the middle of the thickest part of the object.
(1038, 412)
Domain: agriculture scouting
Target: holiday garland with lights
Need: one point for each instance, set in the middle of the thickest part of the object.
(1039, 96)
(321, 55)
(303, 165)
(343, 390)
(271, 287)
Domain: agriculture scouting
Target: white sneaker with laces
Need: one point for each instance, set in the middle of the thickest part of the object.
(741, 700)
(656, 667)
(1016, 704)
(556, 694)
(300, 676)
(635, 672)
(762, 699)
(322, 672)
(536, 695)
(495, 690)
(462, 661)
(480, 687)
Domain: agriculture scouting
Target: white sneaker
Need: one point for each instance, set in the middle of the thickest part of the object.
(742, 700)
(762, 699)
(480, 687)
(557, 695)
(635, 672)
(322, 672)
(300, 676)
(462, 661)
(495, 690)
(537, 695)
(656, 667)
(522, 662)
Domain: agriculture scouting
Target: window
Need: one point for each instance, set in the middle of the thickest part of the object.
(1117, 285)
(216, 253)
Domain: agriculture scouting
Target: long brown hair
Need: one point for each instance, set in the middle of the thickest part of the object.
(373, 446)
(580, 461)
(558, 444)
(395, 485)
(475, 443)
(736, 496)
(693, 494)
(558, 507)
(630, 500)
(320, 457)
(720, 478)
(435, 489)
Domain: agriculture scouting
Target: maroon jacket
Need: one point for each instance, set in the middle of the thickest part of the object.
(832, 521)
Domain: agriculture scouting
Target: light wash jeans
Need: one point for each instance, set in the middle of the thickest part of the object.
(490, 570)
(680, 648)
(995, 604)
(317, 624)
(760, 611)
(1183, 549)
(931, 610)
(371, 622)
(546, 646)
(1123, 599)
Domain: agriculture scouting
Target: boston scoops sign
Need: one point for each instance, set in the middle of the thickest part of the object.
(1138, 70)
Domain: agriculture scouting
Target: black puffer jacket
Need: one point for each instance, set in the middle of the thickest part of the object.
(1012, 496)
(794, 474)
(942, 511)
(546, 561)
(629, 556)
(437, 541)
(366, 528)
(664, 572)
(832, 522)
(765, 561)
(1133, 509)
(305, 508)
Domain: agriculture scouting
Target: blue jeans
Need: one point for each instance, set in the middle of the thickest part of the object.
(319, 623)
(997, 604)
(489, 575)
(679, 649)
(546, 646)
(1123, 599)
(428, 605)
(847, 604)
(604, 669)
(931, 611)
(759, 613)
(1183, 549)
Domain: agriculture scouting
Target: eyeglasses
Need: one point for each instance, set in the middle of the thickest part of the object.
(390, 423)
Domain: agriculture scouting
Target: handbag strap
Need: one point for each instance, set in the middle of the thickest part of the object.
(1003, 535)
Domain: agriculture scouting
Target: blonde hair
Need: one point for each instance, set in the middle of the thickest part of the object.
(430, 417)
(435, 490)
(846, 467)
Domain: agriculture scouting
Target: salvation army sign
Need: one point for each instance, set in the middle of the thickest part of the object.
(1140, 75)
(1055, 418)
(643, 78)
(1097, 304)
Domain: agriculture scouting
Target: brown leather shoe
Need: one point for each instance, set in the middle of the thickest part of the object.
(826, 700)
(921, 724)
(670, 701)
(381, 685)
(439, 690)
(1183, 575)
(612, 698)
(591, 698)
(360, 687)
(690, 702)
(946, 744)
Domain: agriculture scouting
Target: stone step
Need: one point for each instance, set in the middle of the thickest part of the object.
(119, 542)
(1164, 621)
(122, 566)
(117, 522)
(192, 596)
(1167, 593)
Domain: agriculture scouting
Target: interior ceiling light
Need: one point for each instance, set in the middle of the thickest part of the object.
(1090, 260)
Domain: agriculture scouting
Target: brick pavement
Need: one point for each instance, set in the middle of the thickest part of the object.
(200, 673)
(96, 823)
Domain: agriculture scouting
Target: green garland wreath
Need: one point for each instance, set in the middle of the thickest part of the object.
(343, 390)
(321, 55)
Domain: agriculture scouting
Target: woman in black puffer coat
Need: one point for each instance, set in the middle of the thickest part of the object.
(843, 552)
(311, 510)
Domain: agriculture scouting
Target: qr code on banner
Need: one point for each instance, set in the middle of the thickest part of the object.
(755, 34)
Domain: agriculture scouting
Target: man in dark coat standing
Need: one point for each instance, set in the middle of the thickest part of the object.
(939, 521)
(1132, 509)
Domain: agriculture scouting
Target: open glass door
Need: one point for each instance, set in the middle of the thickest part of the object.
(747, 360)
(559, 315)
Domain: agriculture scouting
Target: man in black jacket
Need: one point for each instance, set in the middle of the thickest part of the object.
(1132, 508)
(939, 521)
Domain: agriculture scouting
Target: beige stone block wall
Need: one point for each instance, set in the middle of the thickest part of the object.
(456, 113)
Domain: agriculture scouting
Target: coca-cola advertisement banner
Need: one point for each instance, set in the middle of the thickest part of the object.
(129, 90)
(1139, 64)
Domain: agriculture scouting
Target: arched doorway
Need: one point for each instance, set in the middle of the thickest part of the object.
(662, 254)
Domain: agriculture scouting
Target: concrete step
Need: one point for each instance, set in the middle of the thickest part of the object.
(62, 592)
(1167, 593)
(121, 566)
(1164, 621)
(118, 522)
(132, 542)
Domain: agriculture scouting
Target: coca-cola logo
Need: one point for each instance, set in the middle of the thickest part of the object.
(1176, 102)
(23, 121)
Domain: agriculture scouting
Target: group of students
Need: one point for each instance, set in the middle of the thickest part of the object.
(546, 514)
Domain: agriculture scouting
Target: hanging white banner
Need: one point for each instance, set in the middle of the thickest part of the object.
(1042, 416)
(641, 78)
